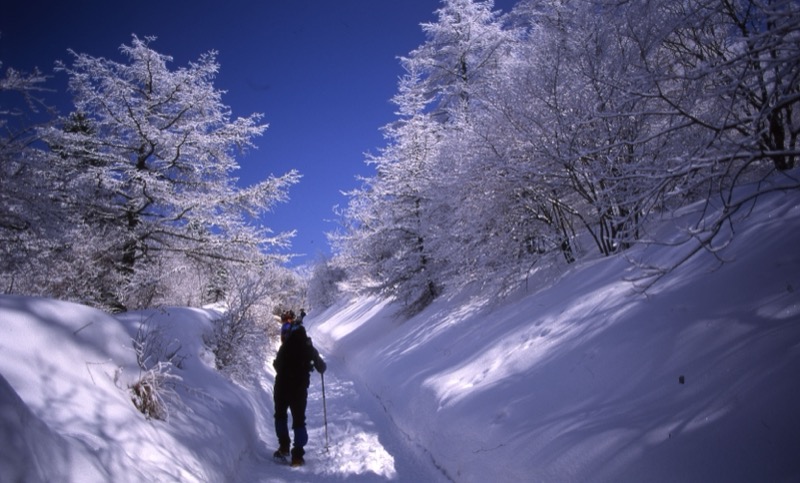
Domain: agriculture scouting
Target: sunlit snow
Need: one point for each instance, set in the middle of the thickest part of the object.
(574, 378)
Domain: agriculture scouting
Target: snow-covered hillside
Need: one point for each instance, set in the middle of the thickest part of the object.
(575, 378)
(585, 379)
(67, 413)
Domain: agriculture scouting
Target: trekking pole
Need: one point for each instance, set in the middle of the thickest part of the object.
(324, 411)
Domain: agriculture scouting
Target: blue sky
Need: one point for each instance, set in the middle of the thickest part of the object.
(322, 72)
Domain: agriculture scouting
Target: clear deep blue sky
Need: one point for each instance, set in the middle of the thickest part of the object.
(321, 71)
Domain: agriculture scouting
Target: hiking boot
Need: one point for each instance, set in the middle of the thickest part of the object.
(298, 460)
(283, 452)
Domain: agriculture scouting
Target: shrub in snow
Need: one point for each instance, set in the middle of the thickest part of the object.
(152, 347)
(240, 337)
(154, 391)
(239, 342)
(156, 356)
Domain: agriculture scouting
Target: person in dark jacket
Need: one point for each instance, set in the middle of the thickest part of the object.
(296, 358)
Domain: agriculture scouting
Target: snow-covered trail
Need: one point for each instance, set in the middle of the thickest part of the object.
(363, 443)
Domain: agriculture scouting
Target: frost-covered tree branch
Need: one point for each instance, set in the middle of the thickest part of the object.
(148, 157)
(561, 125)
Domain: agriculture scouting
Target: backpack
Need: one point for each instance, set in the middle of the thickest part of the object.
(295, 356)
(286, 329)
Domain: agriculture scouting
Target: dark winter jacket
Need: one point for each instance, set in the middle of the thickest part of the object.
(296, 358)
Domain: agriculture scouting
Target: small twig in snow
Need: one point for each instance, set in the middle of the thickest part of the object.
(80, 329)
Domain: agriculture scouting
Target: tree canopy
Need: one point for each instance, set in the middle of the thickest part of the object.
(564, 128)
(136, 184)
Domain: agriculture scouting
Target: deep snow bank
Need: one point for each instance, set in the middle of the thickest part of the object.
(581, 380)
(66, 413)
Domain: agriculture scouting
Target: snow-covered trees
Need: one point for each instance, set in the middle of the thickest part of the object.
(402, 223)
(28, 222)
(732, 71)
(566, 121)
(323, 284)
(149, 155)
(141, 176)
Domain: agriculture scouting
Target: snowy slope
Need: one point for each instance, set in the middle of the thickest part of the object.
(66, 413)
(66, 408)
(580, 380)
(576, 378)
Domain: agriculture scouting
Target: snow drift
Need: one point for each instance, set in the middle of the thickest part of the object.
(67, 413)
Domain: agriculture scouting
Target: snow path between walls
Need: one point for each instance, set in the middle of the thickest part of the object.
(363, 443)
(66, 413)
(576, 379)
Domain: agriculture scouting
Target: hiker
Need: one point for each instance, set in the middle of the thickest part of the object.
(296, 358)
(287, 322)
